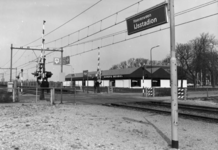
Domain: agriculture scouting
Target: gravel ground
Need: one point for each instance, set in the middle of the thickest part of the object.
(94, 127)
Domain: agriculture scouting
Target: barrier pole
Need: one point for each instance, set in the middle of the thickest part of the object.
(61, 94)
(74, 100)
(36, 93)
(52, 96)
(13, 90)
(143, 90)
(207, 93)
(87, 83)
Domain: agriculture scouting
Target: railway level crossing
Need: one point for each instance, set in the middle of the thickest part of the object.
(41, 74)
(152, 17)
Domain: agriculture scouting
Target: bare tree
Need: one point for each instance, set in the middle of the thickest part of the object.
(130, 63)
(123, 65)
(185, 60)
(204, 58)
(166, 61)
(198, 59)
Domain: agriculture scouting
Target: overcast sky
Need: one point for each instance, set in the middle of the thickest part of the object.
(21, 23)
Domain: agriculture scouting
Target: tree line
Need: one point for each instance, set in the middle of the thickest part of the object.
(137, 62)
(198, 58)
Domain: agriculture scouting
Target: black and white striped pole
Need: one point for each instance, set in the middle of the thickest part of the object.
(173, 71)
(42, 62)
(98, 74)
(43, 40)
(43, 52)
(98, 68)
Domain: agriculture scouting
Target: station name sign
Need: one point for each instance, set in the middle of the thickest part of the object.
(150, 18)
(114, 76)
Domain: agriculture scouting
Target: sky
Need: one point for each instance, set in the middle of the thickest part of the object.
(21, 24)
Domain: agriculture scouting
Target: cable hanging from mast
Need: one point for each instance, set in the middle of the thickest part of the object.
(66, 22)
(121, 32)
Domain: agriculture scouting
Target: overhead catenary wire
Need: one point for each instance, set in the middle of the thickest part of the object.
(116, 13)
(141, 35)
(148, 33)
(121, 32)
(19, 57)
(9, 60)
(65, 23)
(196, 7)
(177, 14)
(55, 30)
(99, 21)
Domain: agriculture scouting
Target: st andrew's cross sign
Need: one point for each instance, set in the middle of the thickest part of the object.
(147, 19)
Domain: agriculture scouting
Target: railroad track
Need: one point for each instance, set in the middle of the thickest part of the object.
(57, 91)
(183, 106)
(187, 111)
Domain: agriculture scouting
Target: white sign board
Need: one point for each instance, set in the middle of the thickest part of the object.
(65, 60)
(10, 86)
(57, 61)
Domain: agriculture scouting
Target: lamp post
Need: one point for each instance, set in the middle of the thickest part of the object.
(151, 61)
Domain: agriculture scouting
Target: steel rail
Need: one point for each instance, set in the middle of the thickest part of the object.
(129, 106)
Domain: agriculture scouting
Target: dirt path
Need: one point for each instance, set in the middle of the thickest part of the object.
(95, 127)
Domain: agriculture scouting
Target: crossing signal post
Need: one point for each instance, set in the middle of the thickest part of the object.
(42, 77)
(41, 74)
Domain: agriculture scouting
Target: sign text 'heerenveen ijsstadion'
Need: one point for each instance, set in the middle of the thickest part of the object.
(147, 19)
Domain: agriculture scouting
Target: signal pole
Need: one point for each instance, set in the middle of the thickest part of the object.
(61, 59)
(11, 63)
(173, 71)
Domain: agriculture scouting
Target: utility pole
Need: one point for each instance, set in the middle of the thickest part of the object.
(11, 63)
(151, 63)
(61, 59)
(173, 71)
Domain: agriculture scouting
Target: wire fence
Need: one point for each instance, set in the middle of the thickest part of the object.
(25, 94)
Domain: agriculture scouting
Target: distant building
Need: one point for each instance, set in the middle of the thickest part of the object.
(130, 77)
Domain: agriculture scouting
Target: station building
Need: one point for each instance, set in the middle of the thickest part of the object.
(155, 76)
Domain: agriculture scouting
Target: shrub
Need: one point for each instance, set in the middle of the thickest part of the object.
(5, 96)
